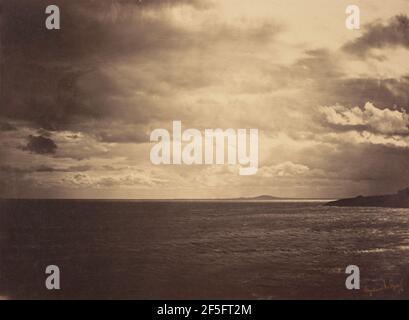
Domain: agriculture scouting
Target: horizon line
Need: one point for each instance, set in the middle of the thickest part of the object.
(181, 199)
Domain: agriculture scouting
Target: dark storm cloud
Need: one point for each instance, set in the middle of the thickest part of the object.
(101, 4)
(318, 64)
(41, 68)
(13, 170)
(19, 170)
(378, 35)
(41, 145)
(81, 168)
(5, 126)
(122, 137)
(60, 79)
(380, 168)
(43, 169)
(325, 76)
(357, 91)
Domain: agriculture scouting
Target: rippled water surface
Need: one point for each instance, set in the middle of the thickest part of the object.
(201, 249)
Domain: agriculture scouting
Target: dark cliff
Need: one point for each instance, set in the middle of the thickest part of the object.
(397, 200)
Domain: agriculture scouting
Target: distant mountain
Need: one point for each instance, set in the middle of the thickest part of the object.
(262, 197)
(397, 200)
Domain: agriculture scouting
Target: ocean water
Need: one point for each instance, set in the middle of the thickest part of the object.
(201, 250)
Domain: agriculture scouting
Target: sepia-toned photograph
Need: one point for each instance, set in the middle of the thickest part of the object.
(204, 149)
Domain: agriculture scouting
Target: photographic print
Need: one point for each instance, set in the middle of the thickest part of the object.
(204, 149)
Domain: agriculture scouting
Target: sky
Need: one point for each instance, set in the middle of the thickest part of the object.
(77, 105)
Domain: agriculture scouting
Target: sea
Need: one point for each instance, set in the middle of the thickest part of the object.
(132, 249)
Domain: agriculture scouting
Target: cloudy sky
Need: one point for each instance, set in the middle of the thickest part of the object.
(77, 105)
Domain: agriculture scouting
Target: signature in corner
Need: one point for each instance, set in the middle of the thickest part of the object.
(385, 285)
